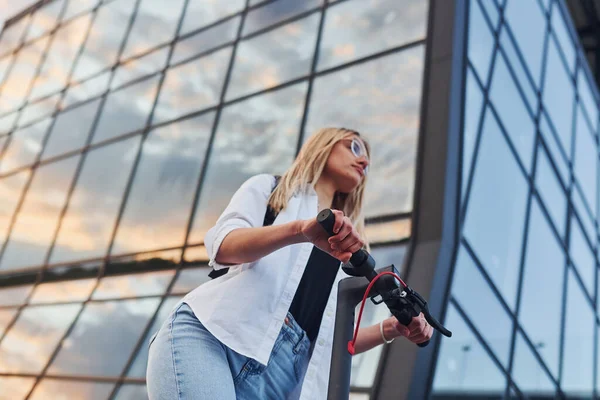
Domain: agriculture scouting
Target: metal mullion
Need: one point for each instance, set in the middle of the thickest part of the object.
(202, 54)
(389, 218)
(279, 24)
(205, 28)
(77, 378)
(15, 50)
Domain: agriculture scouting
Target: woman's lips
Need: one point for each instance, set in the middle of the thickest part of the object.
(360, 171)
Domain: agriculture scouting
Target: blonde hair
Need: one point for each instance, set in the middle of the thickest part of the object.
(307, 169)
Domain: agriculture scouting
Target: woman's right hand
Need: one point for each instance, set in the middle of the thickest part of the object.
(341, 246)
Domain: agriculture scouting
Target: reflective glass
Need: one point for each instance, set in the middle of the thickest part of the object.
(97, 348)
(512, 111)
(12, 35)
(71, 129)
(582, 211)
(498, 198)
(481, 305)
(558, 96)
(30, 342)
(587, 98)
(528, 24)
(24, 147)
(556, 152)
(491, 9)
(387, 91)
(519, 69)
(133, 285)
(76, 7)
(138, 368)
(529, 374)
(5, 65)
(65, 291)
(7, 122)
(473, 104)
(192, 86)
(582, 256)
(60, 389)
(55, 71)
(586, 159)
(357, 29)
(382, 232)
(200, 13)
(481, 42)
(105, 37)
(145, 65)
(36, 222)
(255, 136)
(6, 316)
(189, 279)
(132, 392)
(275, 57)
(45, 19)
(11, 191)
(15, 387)
(577, 378)
(14, 295)
(126, 110)
(559, 27)
(161, 197)
(162, 16)
(89, 221)
(464, 368)
(196, 254)
(205, 40)
(38, 109)
(275, 12)
(542, 291)
(551, 191)
(86, 90)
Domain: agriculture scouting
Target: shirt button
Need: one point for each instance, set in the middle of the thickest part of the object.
(321, 342)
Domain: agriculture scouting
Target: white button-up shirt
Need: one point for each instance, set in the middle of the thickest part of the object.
(246, 307)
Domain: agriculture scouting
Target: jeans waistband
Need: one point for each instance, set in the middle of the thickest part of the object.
(295, 332)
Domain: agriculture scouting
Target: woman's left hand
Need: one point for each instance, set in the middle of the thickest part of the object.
(418, 331)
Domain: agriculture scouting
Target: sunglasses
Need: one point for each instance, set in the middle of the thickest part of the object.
(358, 149)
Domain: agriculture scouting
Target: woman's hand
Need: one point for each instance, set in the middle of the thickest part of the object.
(341, 246)
(418, 331)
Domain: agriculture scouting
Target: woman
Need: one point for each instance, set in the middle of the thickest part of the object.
(264, 330)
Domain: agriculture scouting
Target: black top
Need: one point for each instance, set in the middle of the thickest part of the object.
(313, 291)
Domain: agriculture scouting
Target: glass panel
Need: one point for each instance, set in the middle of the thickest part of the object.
(89, 221)
(36, 222)
(7, 123)
(58, 64)
(529, 374)
(519, 69)
(481, 42)
(582, 256)
(263, 129)
(200, 13)
(558, 97)
(162, 194)
(5, 65)
(554, 149)
(528, 24)
(14, 295)
(498, 198)
(126, 110)
(542, 292)
(582, 211)
(205, 40)
(482, 306)
(15, 388)
(551, 192)
(473, 104)
(162, 17)
(586, 159)
(71, 129)
(189, 279)
(6, 316)
(76, 7)
(98, 348)
(86, 90)
(44, 19)
(103, 43)
(388, 118)
(577, 378)
(132, 392)
(192, 86)
(31, 341)
(11, 189)
(17, 83)
(65, 291)
(12, 35)
(559, 27)
(60, 389)
(388, 231)
(587, 98)
(138, 368)
(491, 9)
(139, 67)
(196, 254)
(24, 146)
(274, 12)
(275, 57)
(38, 110)
(512, 112)
(464, 368)
(133, 285)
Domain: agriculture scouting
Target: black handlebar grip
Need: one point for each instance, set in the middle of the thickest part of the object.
(326, 219)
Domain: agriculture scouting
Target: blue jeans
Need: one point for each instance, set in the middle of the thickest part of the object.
(187, 362)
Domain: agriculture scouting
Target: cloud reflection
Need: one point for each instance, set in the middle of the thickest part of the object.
(56, 389)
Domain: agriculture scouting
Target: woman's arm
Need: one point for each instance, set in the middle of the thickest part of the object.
(418, 331)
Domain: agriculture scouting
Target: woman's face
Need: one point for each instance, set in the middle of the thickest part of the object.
(347, 164)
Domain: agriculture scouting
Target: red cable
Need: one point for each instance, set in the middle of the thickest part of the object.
(351, 344)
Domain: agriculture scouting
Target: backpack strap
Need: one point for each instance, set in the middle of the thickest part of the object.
(270, 216)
